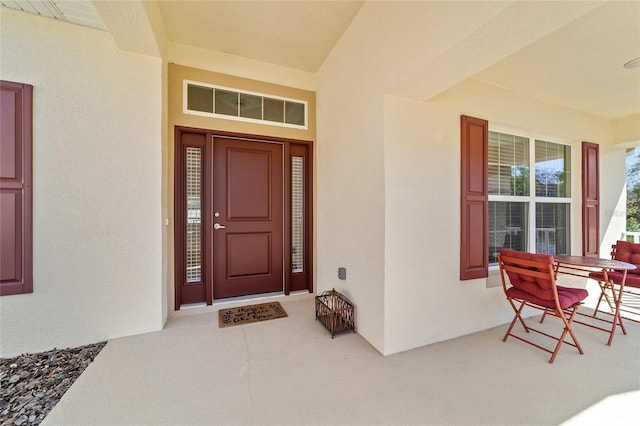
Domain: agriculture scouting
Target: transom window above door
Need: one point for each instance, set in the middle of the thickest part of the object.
(233, 104)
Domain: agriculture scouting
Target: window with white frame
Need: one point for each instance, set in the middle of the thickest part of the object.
(529, 195)
(233, 104)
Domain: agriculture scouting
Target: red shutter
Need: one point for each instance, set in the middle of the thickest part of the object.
(15, 188)
(474, 199)
(590, 199)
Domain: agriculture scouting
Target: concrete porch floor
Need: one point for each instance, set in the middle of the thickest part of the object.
(290, 372)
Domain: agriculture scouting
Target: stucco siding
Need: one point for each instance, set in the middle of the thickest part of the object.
(97, 186)
(389, 171)
(425, 301)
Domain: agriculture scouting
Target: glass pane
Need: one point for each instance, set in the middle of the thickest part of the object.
(294, 113)
(494, 179)
(250, 106)
(297, 214)
(194, 227)
(505, 180)
(274, 110)
(553, 169)
(226, 102)
(507, 227)
(508, 164)
(552, 230)
(199, 98)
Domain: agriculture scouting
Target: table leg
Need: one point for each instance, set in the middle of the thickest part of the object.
(603, 295)
(617, 318)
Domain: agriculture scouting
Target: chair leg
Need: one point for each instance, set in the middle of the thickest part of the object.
(605, 296)
(544, 315)
(567, 329)
(617, 318)
(517, 317)
(560, 339)
(524, 325)
(602, 294)
(566, 316)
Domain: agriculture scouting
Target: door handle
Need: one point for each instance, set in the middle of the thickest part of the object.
(218, 226)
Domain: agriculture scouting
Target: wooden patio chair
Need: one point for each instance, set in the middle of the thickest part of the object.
(630, 297)
(533, 284)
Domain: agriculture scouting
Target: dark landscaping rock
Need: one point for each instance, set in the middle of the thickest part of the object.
(32, 384)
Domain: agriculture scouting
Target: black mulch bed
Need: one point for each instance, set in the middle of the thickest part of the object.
(32, 384)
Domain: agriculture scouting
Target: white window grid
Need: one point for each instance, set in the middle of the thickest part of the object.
(194, 209)
(532, 199)
(188, 111)
(297, 214)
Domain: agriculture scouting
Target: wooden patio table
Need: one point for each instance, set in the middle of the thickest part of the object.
(582, 266)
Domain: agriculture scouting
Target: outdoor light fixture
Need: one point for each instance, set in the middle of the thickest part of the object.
(634, 63)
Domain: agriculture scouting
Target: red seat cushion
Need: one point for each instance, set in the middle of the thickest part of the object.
(630, 253)
(625, 252)
(567, 296)
(633, 280)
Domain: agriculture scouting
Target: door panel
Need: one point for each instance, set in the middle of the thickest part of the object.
(248, 254)
(248, 207)
(249, 189)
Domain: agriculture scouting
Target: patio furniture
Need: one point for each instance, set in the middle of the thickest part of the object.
(621, 291)
(593, 267)
(533, 284)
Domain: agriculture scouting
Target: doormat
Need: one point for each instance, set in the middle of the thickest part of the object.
(251, 313)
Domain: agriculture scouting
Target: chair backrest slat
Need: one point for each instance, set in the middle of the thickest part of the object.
(528, 272)
(532, 273)
(628, 252)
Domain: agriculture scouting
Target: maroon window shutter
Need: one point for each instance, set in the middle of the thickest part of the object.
(474, 198)
(590, 199)
(16, 274)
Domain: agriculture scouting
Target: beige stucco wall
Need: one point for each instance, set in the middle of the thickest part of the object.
(425, 301)
(388, 178)
(386, 43)
(176, 117)
(97, 186)
(224, 63)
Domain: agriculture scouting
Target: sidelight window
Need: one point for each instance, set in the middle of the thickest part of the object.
(194, 216)
(297, 214)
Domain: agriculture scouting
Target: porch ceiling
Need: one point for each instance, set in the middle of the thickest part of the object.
(571, 53)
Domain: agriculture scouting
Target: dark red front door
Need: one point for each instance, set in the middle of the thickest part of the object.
(247, 217)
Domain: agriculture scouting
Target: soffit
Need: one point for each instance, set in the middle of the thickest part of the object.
(581, 64)
(576, 62)
(80, 12)
(295, 34)
(572, 56)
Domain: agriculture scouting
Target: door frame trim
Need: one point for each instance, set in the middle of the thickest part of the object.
(207, 255)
